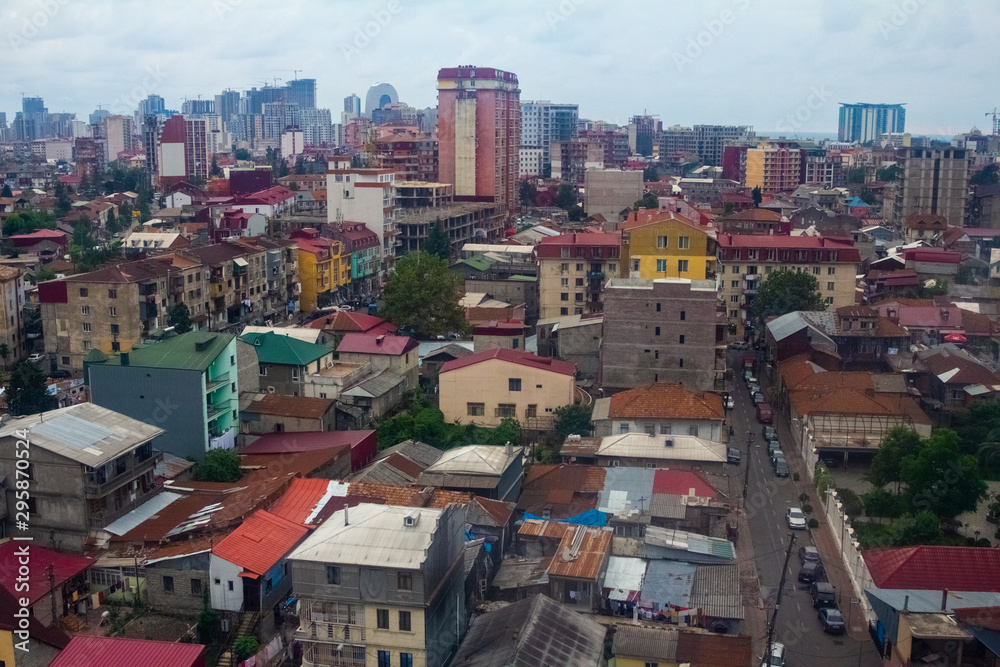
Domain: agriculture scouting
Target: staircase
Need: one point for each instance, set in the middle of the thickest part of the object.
(245, 626)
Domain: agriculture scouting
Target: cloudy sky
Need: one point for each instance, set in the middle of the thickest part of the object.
(772, 64)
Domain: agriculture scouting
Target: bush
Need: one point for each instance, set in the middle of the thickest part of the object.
(807, 509)
(208, 625)
(803, 497)
(853, 505)
(245, 647)
(882, 503)
(824, 479)
(813, 523)
(219, 465)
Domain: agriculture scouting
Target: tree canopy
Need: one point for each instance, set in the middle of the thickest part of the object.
(757, 195)
(6, 192)
(27, 221)
(566, 196)
(242, 154)
(941, 479)
(27, 393)
(437, 242)
(422, 294)
(179, 317)
(887, 174)
(856, 175)
(650, 173)
(988, 175)
(648, 200)
(573, 420)
(897, 444)
(785, 292)
(219, 465)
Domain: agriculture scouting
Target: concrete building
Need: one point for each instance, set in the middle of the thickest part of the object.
(773, 168)
(186, 385)
(666, 245)
(572, 270)
(412, 155)
(705, 141)
(120, 133)
(182, 150)
(530, 162)
(681, 452)
(11, 307)
(660, 409)
(479, 133)
(321, 269)
(865, 122)
(400, 603)
(484, 470)
(508, 335)
(284, 362)
(276, 413)
(486, 387)
(934, 181)
(543, 122)
(385, 353)
(361, 248)
(420, 205)
(364, 195)
(570, 159)
(614, 143)
(573, 338)
(643, 131)
(745, 261)
(89, 466)
(609, 192)
(664, 330)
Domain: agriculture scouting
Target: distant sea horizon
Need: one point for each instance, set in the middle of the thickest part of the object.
(819, 136)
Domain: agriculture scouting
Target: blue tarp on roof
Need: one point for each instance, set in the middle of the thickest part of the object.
(588, 518)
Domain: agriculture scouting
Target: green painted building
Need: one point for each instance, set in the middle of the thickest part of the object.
(285, 362)
(186, 384)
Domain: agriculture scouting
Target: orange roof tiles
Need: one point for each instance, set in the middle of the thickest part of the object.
(260, 542)
(666, 401)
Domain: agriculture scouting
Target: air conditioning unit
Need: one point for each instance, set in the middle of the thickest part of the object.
(270, 390)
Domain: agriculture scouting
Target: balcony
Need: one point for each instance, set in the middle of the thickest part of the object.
(216, 410)
(97, 485)
(98, 520)
(595, 276)
(217, 382)
(217, 289)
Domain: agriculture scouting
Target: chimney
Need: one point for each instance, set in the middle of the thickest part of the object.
(510, 449)
(379, 339)
(346, 522)
(906, 603)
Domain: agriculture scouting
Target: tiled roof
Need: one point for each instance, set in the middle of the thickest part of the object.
(273, 348)
(666, 401)
(953, 366)
(790, 242)
(969, 569)
(642, 642)
(484, 511)
(303, 407)
(514, 357)
(714, 650)
(95, 651)
(754, 215)
(270, 196)
(681, 482)
(644, 218)
(565, 489)
(260, 542)
(64, 565)
(360, 343)
(129, 272)
(582, 239)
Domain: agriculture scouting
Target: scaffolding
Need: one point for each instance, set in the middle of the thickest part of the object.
(854, 432)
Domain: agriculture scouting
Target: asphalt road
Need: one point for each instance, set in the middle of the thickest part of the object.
(768, 497)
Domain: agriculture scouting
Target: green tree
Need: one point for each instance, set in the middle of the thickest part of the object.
(898, 443)
(526, 191)
(437, 242)
(650, 173)
(887, 174)
(856, 175)
(988, 175)
(245, 647)
(576, 213)
(566, 196)
(4, 353)
(422, 294)
(43, 274)
(648, 200)
(300, 165)
(27, 393)
(868, 197)
(785, 292)
(573, 420)
(216, 169)
(942, 479)
(920, 528)
(242, 154)
(509, 430)
(883, 503)
(853, 505)
(111, 226)
(6, 192)
(757, 195)
(63, 204)
(179, 317)
(27, 221)
(728, 209)
(219, 465)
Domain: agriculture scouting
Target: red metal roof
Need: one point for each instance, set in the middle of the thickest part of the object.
(581, 239)
(91, 651)
(66, 566)
(305, 441)
(933, 568)
(359, 343)
(681, 482)
(303, 498)
(260, 542)
(273, 195)
(353, 322)
(514, 357)
(937, 256)
(792, 242)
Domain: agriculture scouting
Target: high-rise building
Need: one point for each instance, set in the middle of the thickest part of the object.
(705, 141)
(253, 100)
(932, 181)
(32, 122)
(773, 168)
(33, 105)
(352, 109)
(364, 194)
(119, 131)
(151, 106)
(98, 116)
(182, 150)
(864, 122)
(316, 126)
(543, 122)
(378, 96)
(227, 105)
(479, 133)
(197, 107)
(642, 133)
(302, 92)
(278, 116)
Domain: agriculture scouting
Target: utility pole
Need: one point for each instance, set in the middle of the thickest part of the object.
(777, 601)
(746, 470)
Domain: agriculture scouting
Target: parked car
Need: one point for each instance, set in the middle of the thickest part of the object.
(775, 455)
(739, 345)
(758, 398)
(772, 447)
(777, 657)
(811, 571)
(733, 456)
(808, 554)
(770, 433)
(747, 374)
(764, 414)
(60, 374)
(822, 594)
(730, 403)
(831, 620)
(781, 468)
(36, 357)
(795, 518)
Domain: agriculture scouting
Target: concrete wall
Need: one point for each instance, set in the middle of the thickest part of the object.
(609, 191)
(710, 430)
(222, 598)
(62, 323)
(481, 343)
(510, 291)
(183, 570)
(581, 346)
(405, 364)
(248, 372)
(257, 424)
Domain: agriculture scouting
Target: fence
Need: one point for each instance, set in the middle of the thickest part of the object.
(850, 554)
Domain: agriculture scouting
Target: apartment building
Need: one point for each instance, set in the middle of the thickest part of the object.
(932, 181)
(570, 159)
(614, 143)
(420, 205)
(664, 330)
(572, 270)
(543, 122)
(364, 195)
(401, 603)
(11, 307)
(321, 269)
(608, 192)
(705, 141)
(363, 254)
(412, 155)
(773, 168)
(745, 261)
(666, 245)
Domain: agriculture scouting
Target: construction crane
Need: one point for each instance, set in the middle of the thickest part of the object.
(295, 72)
(996, 120)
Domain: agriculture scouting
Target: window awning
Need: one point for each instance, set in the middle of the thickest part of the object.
(240, 261)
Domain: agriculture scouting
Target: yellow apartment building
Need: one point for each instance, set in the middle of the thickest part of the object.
(659, 244)
(773, 168)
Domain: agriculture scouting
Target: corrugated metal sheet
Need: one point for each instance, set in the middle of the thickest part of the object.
(716, 591)
(90, 651)
(627, 491)
(667, 583)
(645, 643)
(474, 460)
(141, 513)
(624, 577)
(643, 446)
(581, 553)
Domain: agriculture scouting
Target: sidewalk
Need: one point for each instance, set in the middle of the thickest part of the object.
(755, 623)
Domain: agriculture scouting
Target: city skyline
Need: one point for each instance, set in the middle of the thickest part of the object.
(561, 51)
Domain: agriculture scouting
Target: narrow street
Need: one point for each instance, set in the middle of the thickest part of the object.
(768, 497)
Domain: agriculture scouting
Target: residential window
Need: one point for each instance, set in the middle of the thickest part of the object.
(65, 361)
(295, 373)
(816, 270)
(735, 284)
(661, 241)
(404, 621)
(681, 339)
(735, 298)
(382, 619)
(564, 266)
(383, 657)
(564, 296)
(475, 409)
(656, 354)
(86, 345)
(579, 267)
(531, 411)
(506, 410)
(576, 311)
(623, 428)
(829, 287)
(196, 587)
(684, 242)
(829, 300)
(578, 296)
(658, 307)
(333, 575)
(693, 430)
(112, 294)
(635, 265)
(168, 584)
(84, 292)
(114, 329)
(734, 313)
(564, 282)
(666, 429)
(405, 660)
(736, 269)
(661, 266)
(683, 315)
(564, 311)
(657, 331)
(682, 266)
(404, 581)
(652, 664)
(86, 327)
(113, 312)
(262, 370)
(85, 310)
(831, 270)
(514, 384)
(680, 363)
(230, 585)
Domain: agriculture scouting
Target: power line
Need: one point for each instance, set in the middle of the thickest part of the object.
(777, 601)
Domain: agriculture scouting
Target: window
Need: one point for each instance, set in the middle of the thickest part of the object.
(114, 329)
(404, 621)
(295, 373)
(405, 660)
(734, 313)
(218, 582)
(168, 584)
(831, 270)
(531, 411)
(579, 282)
(681, 339)
(829, 300)
(578, 296)
(564, 311)
(112, 294)
(666, 429)
(65, 361)
(579, 267)
(333, 575)
(736, 269)
(564, 266)
(514, 384)
(680, 363)
(682, 266)
(815, 270)
(829, 287)
(230, 585)
(693, 430)
(262, 369)
(661, 266)
(112, 311)
(564, 296)
(684, 242)
(657, 307)
(635, 265)
(623, 428)
(564, 282)
(196, 587)
(661, 241)
(83, 292)
(683, 316)
(657, 331)
(735, 298)
(652, 664)
(87, 345)
(475, 409)
(404, 581)
(382, 619)
(656, 354)
(85, 310)
(86, 327)
(383, 657)
(506, 410)
(735, 284)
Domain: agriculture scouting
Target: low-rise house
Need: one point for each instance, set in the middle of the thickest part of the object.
(640, 646)
(305, 334)
(493, 521)
(177, 575)
(560, 491)
(928, 227)
(400, 603)
(285, 362)
(44, 243)
(362, 444)
(573, 338)
(370, 399)
(398, 354)
(89, 466)
(431, 364)
(660, 409)
(399, 465)
(64, 576)
(505, 383)
(249, 569)
(97, 651)
(137, 243)
(508, 335)
(481, 307)
(952, 379)
(850, 336)
(344, 322)
(641, 450)
(491, 472)
(41, 642)
(275, 413)
(532, 632)
(579, 561)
